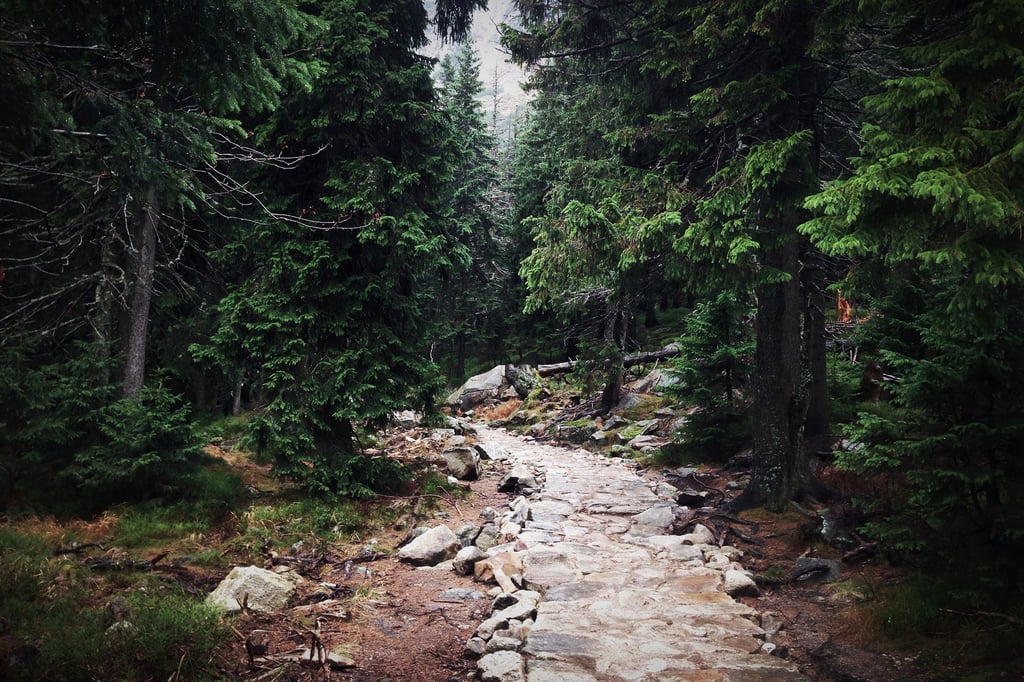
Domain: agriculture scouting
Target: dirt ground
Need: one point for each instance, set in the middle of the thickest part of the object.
(388, 620)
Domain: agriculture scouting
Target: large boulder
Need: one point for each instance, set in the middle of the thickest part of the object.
(257, 588)
(431, 548)
(478, 389)
(463, 462)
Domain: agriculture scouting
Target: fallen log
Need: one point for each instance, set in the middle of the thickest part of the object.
(669, 351)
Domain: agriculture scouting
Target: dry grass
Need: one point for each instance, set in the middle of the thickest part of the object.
(58, 533)
(501, 410)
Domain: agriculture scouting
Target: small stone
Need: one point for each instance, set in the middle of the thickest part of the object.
(771, 623)
(503, 643)
(259, 589)
(475, 648)
(739, 584)
(467, 533)
(812, 569)
(436, 545)
(463, 462)
(517, 478)
(466, 559)
(461, 594)
(700, 535)
(501, 666)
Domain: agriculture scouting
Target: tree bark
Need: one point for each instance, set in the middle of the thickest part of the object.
(817, 426)
(779, 403)
(144, 260)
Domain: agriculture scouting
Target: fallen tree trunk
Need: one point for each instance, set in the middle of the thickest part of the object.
(669, 351)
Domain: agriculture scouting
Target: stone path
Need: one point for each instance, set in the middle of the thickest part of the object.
(623, 599)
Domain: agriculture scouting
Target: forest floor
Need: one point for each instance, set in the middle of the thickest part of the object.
(395, 626)
(388, 621)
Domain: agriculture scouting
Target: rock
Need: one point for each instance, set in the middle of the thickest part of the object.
(461, 594)
(771, 623)
(488, 537)
(317, 657)
(688, 497)
(500, 568)
(666, 490)
(518, 477)
(503, 643)
(654, 521)
(521, 378)
(640, 428)
(467, 533)
(463, 462)
(406, 419)
(431, 548)
(466, 558)
(520, 510)
(475, 648)
(700, 535)
(834, 535)
(520, 611)
(645, 442)
(599, 438)
(120, 634)
(501, 666)
(578, 432)
(259, 589)
(739, 584)
(492, 451)
(811, 569)
(478, 389)
(628, 401)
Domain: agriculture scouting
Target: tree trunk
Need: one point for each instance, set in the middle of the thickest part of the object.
(817, 428)
(144, 260)
(779, 401)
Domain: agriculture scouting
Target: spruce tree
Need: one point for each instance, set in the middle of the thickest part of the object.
(932, 209)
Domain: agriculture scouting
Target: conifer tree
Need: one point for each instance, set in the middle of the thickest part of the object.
(932, 210)
(331, 310)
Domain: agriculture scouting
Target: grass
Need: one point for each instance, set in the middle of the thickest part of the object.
(56, 604)
(944, 625)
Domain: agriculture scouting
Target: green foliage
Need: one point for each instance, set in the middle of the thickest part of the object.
(924, 613)
(937, 181)
(148, 448)
(70, 431)
(330, 305)
(45, 600)
(949, 439)
(715, 358)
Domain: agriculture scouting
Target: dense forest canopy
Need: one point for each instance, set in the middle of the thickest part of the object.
(271, 204)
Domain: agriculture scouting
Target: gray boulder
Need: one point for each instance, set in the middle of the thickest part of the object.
(466, 559)
(812, 569)
(478, 389)
(501, 666)
(257, 588)
(431, 548)
(739, 584)
(463, 462)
